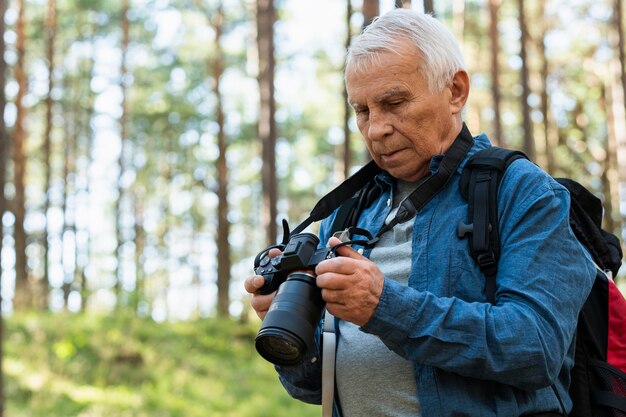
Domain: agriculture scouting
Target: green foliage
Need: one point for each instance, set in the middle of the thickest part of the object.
(84, 365)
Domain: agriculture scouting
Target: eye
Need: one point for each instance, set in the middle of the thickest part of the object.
(361, 111)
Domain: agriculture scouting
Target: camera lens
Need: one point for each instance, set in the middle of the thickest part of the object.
(280, 347)
(289, 326)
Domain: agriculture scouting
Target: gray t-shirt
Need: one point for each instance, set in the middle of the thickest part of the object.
(371, 379)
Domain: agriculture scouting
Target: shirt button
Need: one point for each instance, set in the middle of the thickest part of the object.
(388, 202)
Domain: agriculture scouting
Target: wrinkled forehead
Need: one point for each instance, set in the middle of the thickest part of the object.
(366, 60)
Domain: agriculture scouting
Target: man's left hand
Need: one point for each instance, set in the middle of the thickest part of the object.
(351, 284)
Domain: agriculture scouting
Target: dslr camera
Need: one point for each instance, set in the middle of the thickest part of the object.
(289, 327)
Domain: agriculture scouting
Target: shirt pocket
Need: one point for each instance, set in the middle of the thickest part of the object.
(465, 281)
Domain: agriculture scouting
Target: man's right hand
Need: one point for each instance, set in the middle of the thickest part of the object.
(260, 303)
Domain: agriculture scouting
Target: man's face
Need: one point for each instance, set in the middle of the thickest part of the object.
(404, 125)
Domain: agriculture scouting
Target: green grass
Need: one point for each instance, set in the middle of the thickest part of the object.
(62, 365)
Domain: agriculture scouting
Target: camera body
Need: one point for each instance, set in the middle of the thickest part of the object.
(300, 254)
(288, 329)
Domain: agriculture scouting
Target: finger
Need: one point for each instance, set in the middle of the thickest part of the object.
(261, 302)
(341, 265)
(344, 250)
(274, 252)
(253, 283)
(329, 281)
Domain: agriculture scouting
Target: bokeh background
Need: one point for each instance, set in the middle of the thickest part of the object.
(150, 148)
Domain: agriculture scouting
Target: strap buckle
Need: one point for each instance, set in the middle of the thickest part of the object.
(486, 261)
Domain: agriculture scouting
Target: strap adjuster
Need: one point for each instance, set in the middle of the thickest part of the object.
(486, 260)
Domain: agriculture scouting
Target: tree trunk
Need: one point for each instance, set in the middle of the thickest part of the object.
(139, 249)
(429, 7)
(4, 140)
(617, 125)
(618, 21)
(50, 27)
(223, 227)
(610, 176)
(528, 139)
(23, 293)
(85, 143)
(458, 21)
(371, 9)
(347, 155)
(266, 16)
(545, 99)
(121, 162)
(494, 36)
(70, 150)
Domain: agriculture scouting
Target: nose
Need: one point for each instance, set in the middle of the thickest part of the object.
(379, 126)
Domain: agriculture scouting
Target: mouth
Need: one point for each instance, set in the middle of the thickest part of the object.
(390, 155)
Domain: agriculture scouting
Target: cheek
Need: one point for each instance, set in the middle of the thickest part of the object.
(361, 124)
(364, 128)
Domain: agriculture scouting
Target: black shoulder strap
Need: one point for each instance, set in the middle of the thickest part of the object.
(479, 186)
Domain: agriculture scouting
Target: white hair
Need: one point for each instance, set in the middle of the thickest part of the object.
(442, 57)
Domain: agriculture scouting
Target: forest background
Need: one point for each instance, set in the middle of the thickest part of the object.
(150, 148)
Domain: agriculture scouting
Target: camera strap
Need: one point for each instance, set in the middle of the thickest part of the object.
(432, 185)
(410, 206)
(329, 341)
(331, 201)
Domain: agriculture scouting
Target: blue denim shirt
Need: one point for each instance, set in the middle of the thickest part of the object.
(473, 358)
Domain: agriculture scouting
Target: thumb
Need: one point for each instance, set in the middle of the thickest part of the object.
(344, 250)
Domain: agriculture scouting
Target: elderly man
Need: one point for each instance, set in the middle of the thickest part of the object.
(416, 333)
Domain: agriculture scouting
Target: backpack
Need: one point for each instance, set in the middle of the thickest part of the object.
(598, 379)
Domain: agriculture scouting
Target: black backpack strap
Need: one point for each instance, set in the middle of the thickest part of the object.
(610, 400)
(479, 186)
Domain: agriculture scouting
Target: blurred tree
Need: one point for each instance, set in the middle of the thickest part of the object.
(609, 173)
(429, 7)
(618, 176)
(544, 73)
(223, 225)
(528, 139)
(371, 9)
(458, 20)
(50, 27)
(618, 22)
(494, 37)
(347, 152)
(23, 290)
(615, 93)
(266, 16)
(70, 107)
(80, 157)
(120, 215)
(4, 142)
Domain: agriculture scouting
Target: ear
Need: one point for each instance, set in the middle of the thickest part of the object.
(459, 87)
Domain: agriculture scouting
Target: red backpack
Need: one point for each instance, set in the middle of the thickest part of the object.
(598, 387)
